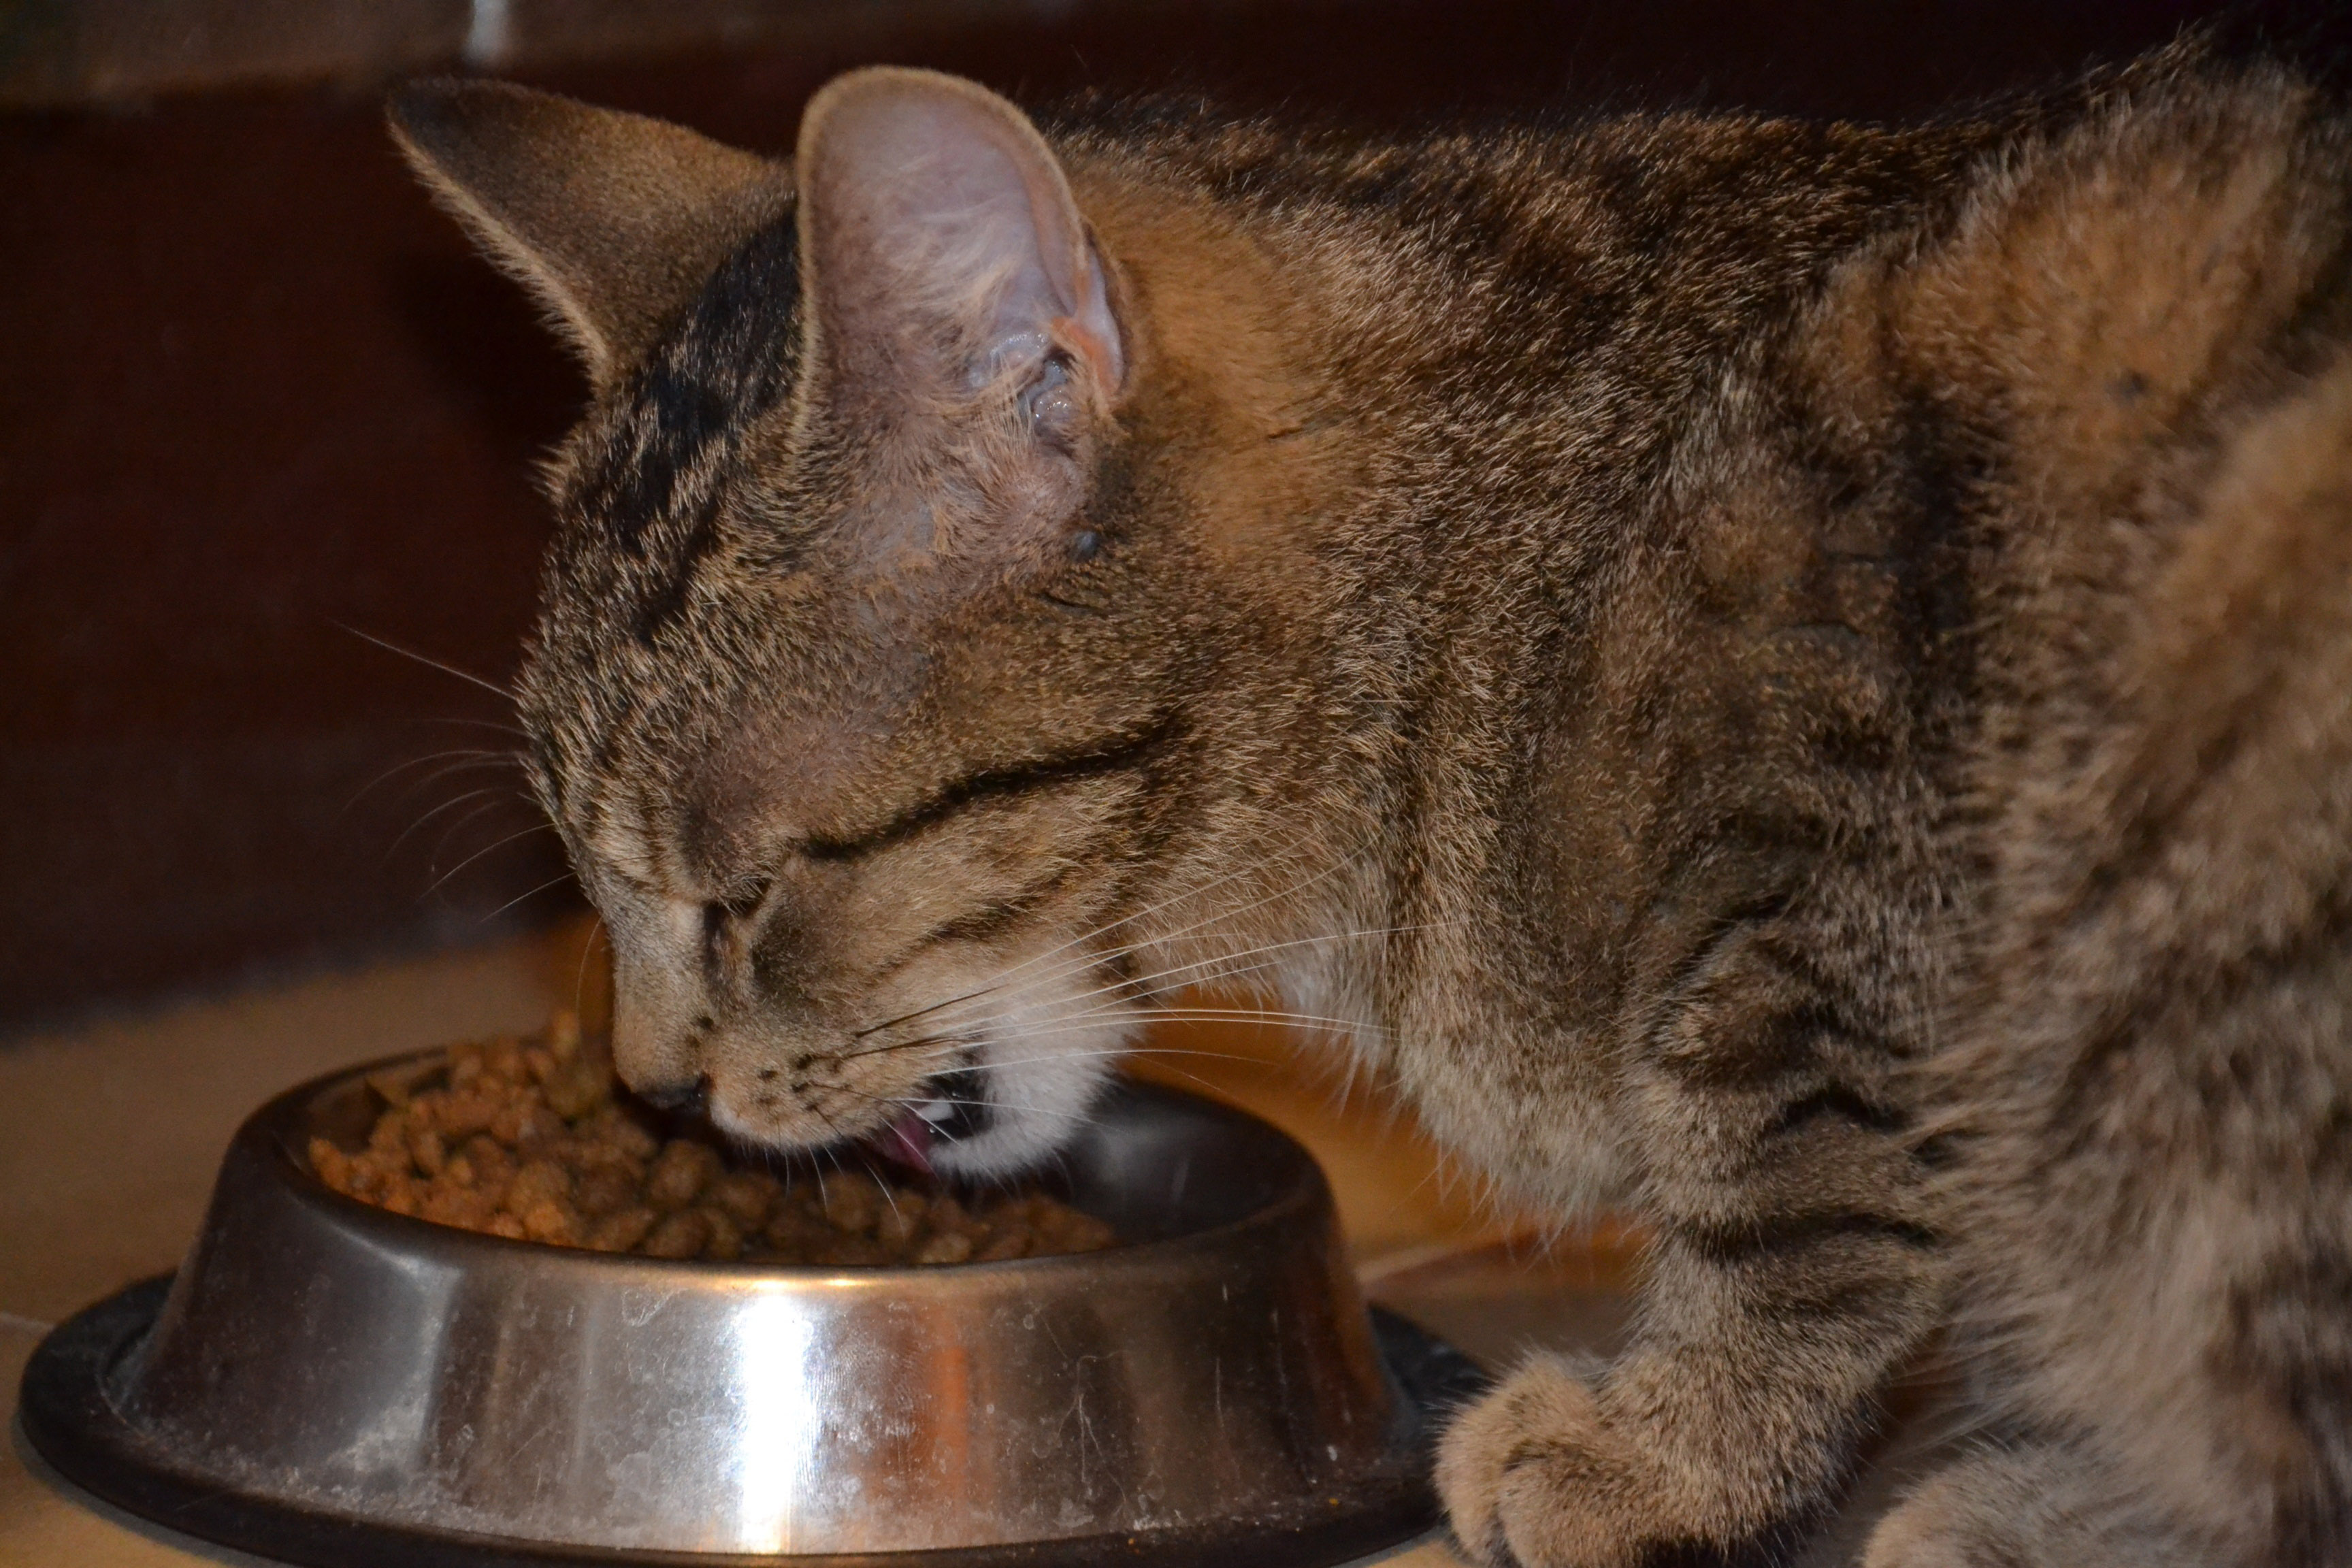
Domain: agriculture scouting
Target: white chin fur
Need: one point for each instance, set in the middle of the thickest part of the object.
(1040, 1091)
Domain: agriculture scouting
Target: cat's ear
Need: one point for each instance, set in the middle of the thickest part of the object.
(615, 221)
(943, 251)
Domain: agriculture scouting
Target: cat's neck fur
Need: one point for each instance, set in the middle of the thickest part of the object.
(1472, 467)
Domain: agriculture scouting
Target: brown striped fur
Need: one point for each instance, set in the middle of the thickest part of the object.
(1796, 677)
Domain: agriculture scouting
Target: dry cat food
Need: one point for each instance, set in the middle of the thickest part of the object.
(526, 1138)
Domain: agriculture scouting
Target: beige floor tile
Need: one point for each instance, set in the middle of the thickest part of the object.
(109, 1134)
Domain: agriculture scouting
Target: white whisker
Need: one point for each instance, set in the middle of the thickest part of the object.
(450, 805)
(484, 849)
(401, 767)
(1147, 982)
(1120, 1053)
(485, 725)
(1089, 960)
(456, 826)
(519, 898)
(491, 687)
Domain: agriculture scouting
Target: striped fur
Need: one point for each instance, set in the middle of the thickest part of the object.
(1789, 676)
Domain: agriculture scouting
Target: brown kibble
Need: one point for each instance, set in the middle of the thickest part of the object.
(1012, 1241)
(390, 1134)
(523, 1123)
(563, 1034)
(604, 1188)
(680, 1235)
(400, 1197)
(725, 1242)
(503, 1061)
(1082, 1233)
(679, 1174)
(577, 1086)
(900, 1218)
(524, 1139)
(791, 1231)
(943, 1246)
(537, 1127)
(457, 1207)
(852, 1204)
(330, 1165)
(493, 1166)
(839, 1251)
(550, 1220)
(624, 1229)
(485, 1150)
(461, 1115)
(625, 1136)
(541, 1181)
(744, 1196)
(373, 1173)
(426, 1149)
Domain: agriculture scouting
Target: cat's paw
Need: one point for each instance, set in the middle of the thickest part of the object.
(1532, 1478)
(2026, 1508)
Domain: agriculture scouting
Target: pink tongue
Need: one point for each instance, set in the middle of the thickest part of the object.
(906, 1141)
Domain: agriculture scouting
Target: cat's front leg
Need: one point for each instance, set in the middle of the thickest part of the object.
(1787, 1280)
(2029, 1505)
(1724, 1430)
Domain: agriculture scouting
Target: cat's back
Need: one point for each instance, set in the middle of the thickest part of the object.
(2122, 386)
(2121, 375)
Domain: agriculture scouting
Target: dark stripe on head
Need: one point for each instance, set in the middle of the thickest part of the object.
(726, 363)
(1120, 753)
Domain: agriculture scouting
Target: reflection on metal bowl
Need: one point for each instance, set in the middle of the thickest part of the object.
(336, 1383)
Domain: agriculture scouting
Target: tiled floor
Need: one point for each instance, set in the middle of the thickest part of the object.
(108, 1135)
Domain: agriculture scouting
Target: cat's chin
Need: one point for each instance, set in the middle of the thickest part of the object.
(1035, 1105)
(1009, 1148)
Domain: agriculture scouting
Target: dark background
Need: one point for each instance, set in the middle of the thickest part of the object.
(254, 391)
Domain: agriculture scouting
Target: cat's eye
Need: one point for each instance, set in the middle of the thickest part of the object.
(1085, 544)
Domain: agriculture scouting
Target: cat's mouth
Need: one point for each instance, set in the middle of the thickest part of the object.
(945, 1109)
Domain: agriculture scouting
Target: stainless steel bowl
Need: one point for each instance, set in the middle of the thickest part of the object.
(325, 1379)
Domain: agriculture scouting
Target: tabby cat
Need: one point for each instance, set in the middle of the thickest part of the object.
(1796, 677)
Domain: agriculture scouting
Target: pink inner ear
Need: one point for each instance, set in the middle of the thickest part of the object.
(1092, 330)
(946, 247)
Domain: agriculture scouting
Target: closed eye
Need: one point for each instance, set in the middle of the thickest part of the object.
(1119, 755)
(741, 905)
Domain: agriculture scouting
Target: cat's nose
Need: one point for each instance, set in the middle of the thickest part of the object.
(690, 1096)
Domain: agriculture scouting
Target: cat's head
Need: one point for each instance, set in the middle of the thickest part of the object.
(901, 562)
